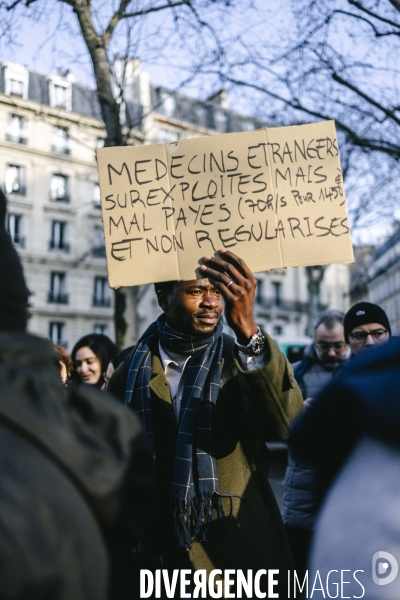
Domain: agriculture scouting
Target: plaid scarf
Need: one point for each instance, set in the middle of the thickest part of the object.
(195, 491)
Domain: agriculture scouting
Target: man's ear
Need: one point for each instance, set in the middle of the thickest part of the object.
(162, 297)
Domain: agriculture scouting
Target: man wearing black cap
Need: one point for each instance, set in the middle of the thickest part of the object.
(366, 326)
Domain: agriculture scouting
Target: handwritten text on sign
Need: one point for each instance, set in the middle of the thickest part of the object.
(273, 196)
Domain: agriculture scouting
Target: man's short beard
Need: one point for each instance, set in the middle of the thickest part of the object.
(328, 363)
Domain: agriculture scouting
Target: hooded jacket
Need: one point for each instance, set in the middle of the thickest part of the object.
(74, 486)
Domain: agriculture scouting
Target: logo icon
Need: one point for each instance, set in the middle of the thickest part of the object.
(384, 568)
(360, 312)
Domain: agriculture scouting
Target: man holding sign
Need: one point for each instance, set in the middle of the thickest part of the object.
(208, 403)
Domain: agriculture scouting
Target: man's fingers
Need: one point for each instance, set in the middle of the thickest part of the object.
(224, 281)
(230, 265)
(222, 271)
(236, 262)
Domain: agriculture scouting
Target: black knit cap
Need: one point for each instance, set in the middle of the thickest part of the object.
(13, 291)
(363, 313)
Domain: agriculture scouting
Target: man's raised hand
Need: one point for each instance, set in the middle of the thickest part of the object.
(233, 278)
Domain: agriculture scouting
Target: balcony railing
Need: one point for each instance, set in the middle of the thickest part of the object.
(57, 297)
(59, 198)
(60, 149)
(16, 139)
(18, 240)
(57, 245)
(282, 305)
(101, 301)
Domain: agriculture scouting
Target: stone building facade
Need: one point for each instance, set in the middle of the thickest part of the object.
(49, 130)
(380, 282)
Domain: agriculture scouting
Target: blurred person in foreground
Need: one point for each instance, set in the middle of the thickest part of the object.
(321, 362)
(209, 403)
(352, 433)
(75, 484)
(91, 356)
(366, 326)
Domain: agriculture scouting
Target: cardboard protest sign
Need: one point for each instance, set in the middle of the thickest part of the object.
(273, 196)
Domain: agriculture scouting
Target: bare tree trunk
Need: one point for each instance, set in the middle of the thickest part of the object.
(110, 111)
(120, 323)
(97, 47)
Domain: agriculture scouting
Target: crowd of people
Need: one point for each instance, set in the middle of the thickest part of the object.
(154, 457)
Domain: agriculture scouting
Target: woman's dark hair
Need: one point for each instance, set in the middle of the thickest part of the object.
(101, 346)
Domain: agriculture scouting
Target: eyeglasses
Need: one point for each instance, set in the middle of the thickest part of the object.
(360, 337)
(326, 346)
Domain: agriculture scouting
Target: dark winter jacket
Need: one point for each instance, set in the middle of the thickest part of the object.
(74, 482)
(252, 407)
(299, 501)
(311, 374)
(363, 400)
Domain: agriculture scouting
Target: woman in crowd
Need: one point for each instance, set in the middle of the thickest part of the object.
(91, 355)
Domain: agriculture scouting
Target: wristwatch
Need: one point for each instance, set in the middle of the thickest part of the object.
(256, 346)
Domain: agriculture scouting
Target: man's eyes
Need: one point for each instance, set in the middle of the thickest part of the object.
(199, 292)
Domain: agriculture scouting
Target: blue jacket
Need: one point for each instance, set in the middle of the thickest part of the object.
(299, 504)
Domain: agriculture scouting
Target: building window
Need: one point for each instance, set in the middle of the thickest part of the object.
(101, 328)
(166, 136)
(60, 140)
(15, 229)
(276, 293)
(277, 330)
(58, 284)
(60, 96)
(16, 79)
(16, 130)
(16, 87)
(57, 333)
(201, 115)
(99, 249)
(220, 120)
(101, 295)
(259, 291)
(60, 92)
(59, 236)
(15, 180)
(168, 104)
(59, 187)
(96, 195)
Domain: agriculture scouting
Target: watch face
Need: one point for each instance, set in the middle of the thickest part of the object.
(258, 345)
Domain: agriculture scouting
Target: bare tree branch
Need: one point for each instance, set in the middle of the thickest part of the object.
(395, 3)
(145, 11)
(369, 144)
(115, 19)
(13, 5)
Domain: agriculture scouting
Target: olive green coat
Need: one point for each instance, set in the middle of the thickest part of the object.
(253, 407)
